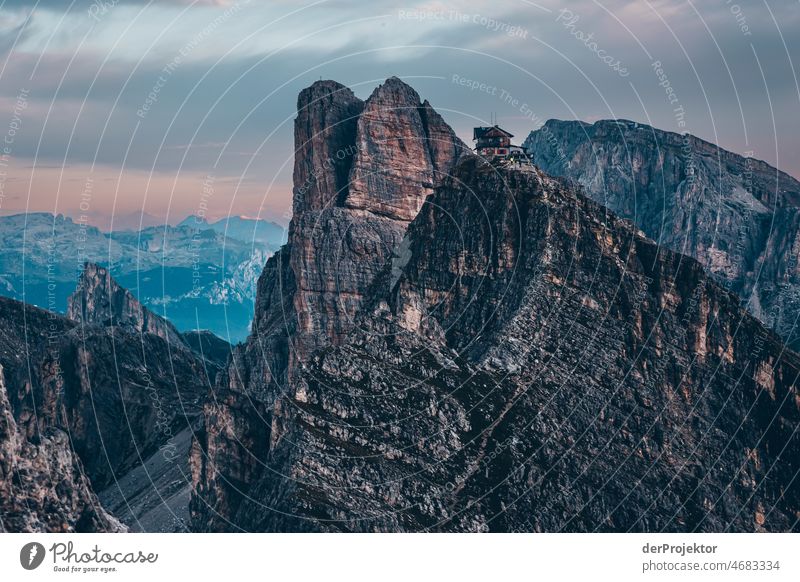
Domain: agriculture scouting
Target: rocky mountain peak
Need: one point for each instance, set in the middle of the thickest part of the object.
(402, 147)
(363, 170)
(324, 137)
(100, 300)
(555, 370)
(737, 215)
(393, 92)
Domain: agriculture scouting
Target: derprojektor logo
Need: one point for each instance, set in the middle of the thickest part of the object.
(31, 555)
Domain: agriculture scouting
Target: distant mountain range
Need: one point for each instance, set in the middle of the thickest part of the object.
(241, 228)
(195, 274)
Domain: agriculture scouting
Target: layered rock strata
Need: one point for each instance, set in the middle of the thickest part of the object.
(362, 172)
(737, 215)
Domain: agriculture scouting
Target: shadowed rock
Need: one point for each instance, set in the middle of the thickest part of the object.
(738, 216)
(100, 300)
(42, 485)
(362, 171)
(554, 371)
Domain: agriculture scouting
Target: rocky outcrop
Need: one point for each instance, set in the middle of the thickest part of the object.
(554, 371)
(394, 150)
(100, 300)
(402, 148)
(362, 171)
(42, 485)
(517, 359)
(208, 346)
(737, 215)
(113, 396)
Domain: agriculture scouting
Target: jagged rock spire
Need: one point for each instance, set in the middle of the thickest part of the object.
(100, 300)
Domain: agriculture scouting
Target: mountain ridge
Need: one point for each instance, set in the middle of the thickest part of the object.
(443, 344)
(101, 396)
(647, 127)
(456, 376)
(421, 408)
(177, 271)
(739, 217)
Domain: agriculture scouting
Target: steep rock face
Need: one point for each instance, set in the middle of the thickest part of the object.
(118, 395)
(228, 452)
(553, 371)
(738, 216)
(324, 137)
(397, 150)
(208, 346)
(335, 255)
(42, 485)
(403, 147)
(124, 396)
(357, 186)
(100, 300)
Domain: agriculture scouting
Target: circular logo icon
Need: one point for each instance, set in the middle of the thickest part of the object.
(31, 555)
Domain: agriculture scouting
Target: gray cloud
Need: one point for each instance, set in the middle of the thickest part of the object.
(712, 64)
(68, 5)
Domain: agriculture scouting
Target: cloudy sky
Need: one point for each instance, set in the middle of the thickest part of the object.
(114, 107)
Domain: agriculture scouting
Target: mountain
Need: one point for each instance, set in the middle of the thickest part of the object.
(208, 346)
(738, 216)
(101, 397)
(442, 345)
(42, 485)
(241, 228)
(154, 496)
(124, 221)
(198, 279)
(392, 145)
(504, 355)
(100, 300)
